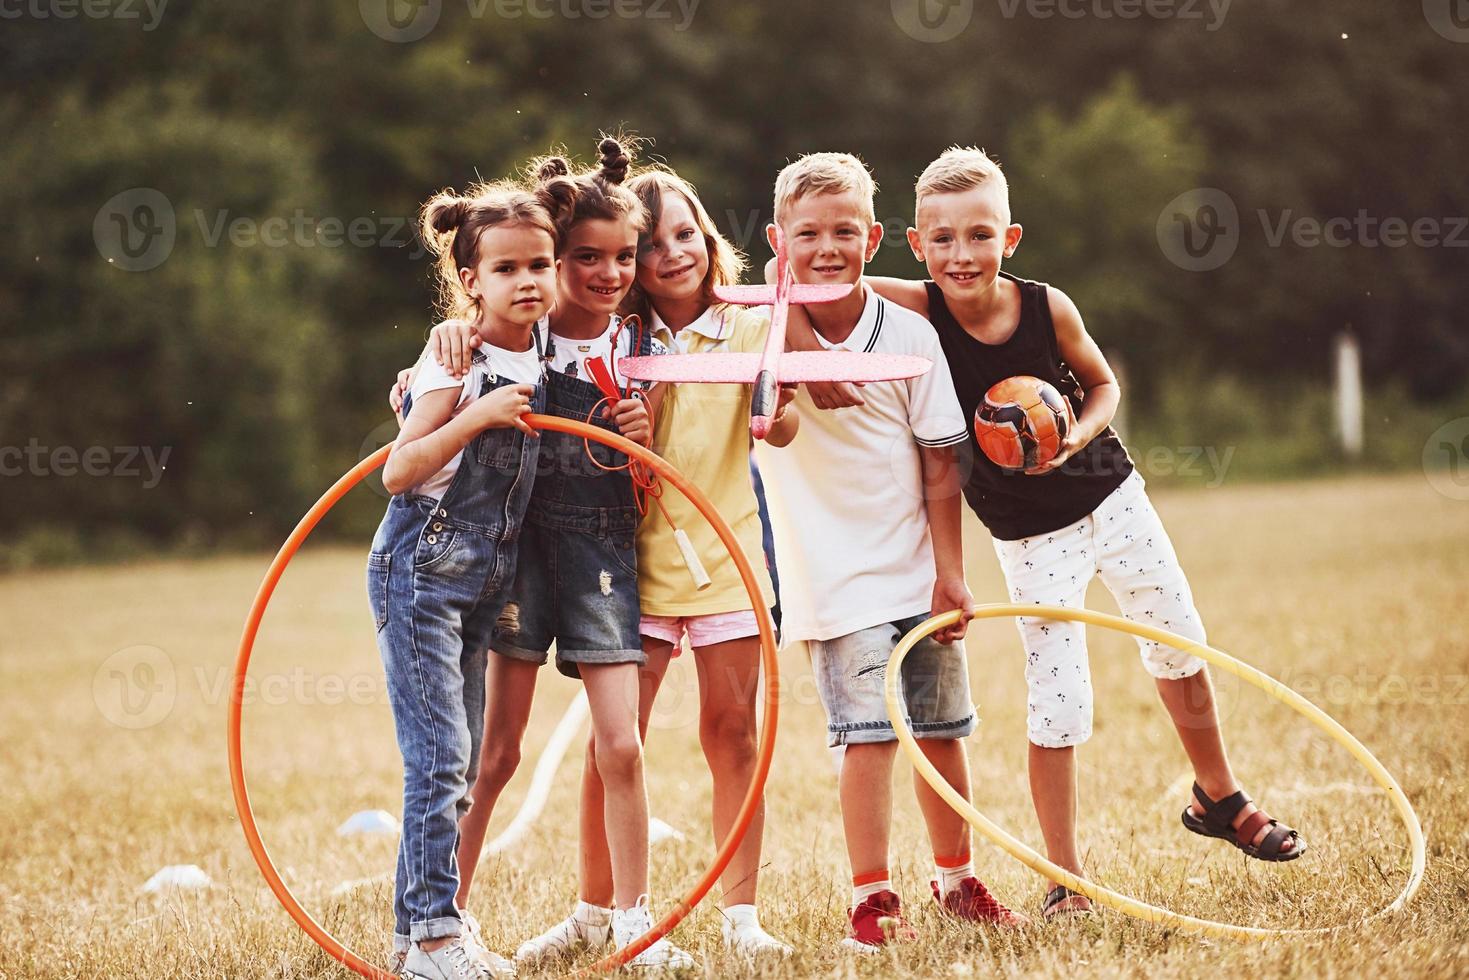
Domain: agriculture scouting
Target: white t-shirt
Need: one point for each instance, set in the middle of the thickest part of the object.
(571, 354)
(522, 367)
(853, 542)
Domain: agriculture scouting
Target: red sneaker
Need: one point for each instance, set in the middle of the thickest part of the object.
(877, 922)
(972, 902)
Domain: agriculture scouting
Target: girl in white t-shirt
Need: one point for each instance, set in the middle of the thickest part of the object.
(576, 582)
(443, 558)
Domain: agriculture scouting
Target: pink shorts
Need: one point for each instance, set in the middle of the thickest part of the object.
(704, 630)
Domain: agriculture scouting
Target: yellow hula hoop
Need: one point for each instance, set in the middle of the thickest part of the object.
(1218, 658)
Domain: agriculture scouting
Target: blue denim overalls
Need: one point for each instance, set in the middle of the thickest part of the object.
(577, 582)
(436, 579)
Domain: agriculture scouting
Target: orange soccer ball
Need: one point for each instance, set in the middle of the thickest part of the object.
(1022, 422)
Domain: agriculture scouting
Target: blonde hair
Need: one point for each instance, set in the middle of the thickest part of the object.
(451, 224)
(726, 263)
(824, 173)
(960, 168)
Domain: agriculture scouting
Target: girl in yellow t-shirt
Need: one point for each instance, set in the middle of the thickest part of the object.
(703, 429)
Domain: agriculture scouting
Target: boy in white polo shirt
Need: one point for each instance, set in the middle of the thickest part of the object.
(871, 499)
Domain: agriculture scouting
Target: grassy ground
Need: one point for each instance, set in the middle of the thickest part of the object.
(114, 765)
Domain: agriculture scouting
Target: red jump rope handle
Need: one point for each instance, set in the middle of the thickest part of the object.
(602, 378)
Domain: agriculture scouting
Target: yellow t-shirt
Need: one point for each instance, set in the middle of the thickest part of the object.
(704, 431)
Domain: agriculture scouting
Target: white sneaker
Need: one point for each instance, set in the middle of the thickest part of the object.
(744, 935)
(498, 965)
(452, 961)
(396, 961)
(590, 926)
(629, 924)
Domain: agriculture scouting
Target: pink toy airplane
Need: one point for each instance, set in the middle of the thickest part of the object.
(775, 366)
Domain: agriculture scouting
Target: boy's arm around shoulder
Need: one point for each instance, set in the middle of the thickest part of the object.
(910, 293)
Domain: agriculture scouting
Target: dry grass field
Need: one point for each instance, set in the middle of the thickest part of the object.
(1353, 591)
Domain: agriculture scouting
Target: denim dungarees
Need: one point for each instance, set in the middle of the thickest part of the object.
(577, 581)
(436, 580)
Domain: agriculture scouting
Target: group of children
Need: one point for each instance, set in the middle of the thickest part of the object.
(499, 543)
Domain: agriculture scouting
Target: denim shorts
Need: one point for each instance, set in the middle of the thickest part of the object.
(577, 589)
(851, 672)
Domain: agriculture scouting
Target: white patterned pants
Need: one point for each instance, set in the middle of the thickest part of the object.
(1123, 540)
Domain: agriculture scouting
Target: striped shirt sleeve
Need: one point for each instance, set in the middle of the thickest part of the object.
(933, 407)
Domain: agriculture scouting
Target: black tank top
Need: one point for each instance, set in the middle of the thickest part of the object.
(1013, 505)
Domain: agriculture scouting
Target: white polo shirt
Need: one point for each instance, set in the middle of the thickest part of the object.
(852, 538)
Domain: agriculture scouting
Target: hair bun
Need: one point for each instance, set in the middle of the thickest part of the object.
(615, 160)
(551, 168)
(447, 213)
(558, 196)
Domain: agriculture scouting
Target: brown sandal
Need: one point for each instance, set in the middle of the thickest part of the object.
(1219, 814)
(1056, 896)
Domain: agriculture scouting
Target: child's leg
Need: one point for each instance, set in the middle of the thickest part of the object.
(612, 690)
(1054, 569)
(509, 690)
(426, 688)
(850, 674)
(948, 833)
(596, 860)
(1053, 791)
(941, 712)
(866, 787)
(729, 682)
(1141, 569)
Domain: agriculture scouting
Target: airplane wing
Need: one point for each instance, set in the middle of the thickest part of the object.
(793, 367)
(841, 365)
(805, 293)
(712, 368)
(746, 295)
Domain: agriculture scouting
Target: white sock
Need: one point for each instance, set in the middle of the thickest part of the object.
(741, 917)
(591, 914)
(949, 878)
(861, 893)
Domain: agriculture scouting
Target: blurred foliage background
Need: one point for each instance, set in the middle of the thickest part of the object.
(293, 143)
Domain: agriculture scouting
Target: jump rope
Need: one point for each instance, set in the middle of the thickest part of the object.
(646, 485)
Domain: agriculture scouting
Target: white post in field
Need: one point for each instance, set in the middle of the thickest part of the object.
(1349, 394)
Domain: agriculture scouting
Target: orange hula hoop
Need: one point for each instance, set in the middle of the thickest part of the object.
(333, 947)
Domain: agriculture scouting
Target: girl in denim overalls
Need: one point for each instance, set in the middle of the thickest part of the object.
(576, 584)
(461, 472)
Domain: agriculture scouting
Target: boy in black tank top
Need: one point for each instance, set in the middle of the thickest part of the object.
(1085, 513)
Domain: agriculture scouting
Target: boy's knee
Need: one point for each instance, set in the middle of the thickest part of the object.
(1168, 663)
(1060, 725)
